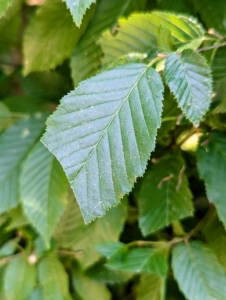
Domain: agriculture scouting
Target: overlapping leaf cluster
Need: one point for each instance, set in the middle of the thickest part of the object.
(112, 149)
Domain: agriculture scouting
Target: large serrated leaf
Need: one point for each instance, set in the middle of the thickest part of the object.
(139, 33)
(188, 77)
(14, 145)
(107, 129)
(19, 287)
(164, 194)
(151, 287)
(86, 57)
(140, 260)
(198, 272)
(55, 37)
(53, 279)
(78, 9)
(211, 161)
(43, 189)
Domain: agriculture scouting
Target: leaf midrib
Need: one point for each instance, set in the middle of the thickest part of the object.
(110, 122)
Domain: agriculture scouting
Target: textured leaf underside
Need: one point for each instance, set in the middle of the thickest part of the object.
(188, 77)
(198, 272)
(211, 161)
(107, 128)
(78, 9)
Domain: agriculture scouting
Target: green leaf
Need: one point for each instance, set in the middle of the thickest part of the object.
(211, 162)
(109, 248)
(140, 260)
(151, 287)
(17, 219)
(99, 125)
(198, 272)
(212, 13)
(78, 9)
(43, 188)
(50, 85)
(10, 26)
(100, 272)
(215, 235)
(53, 279)
(88, 289)
(5, 116)
(36, 294)
(85, 60)
(188, 78)
(15, 143)
(4, 5)
(105, 229)
(218, 64)
(164, 194)
(55, 37)
(71, 225)
(139, 33)
(9, 247)
(18, 286)
(165, 40)
(179, 6)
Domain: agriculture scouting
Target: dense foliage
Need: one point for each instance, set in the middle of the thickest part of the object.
(117, 191)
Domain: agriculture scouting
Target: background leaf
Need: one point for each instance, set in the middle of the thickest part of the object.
(53, 279)
(211, 162)
(43, 189)
(164, 195)
(151, 287)
(19, 287)
(16, 141)
(198, 272)
(4, 5)
(188, 77)
(96, 126)
(55, 33)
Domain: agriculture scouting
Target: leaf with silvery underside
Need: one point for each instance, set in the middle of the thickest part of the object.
(43, 190)
(211, 162)
(139, 33)
(164, 194)
(100, 125)
(86, 57)
(189, 79)
(15, 143)
(198, 272)
(78, 9)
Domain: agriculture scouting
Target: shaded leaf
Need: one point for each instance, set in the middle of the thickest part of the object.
(88, 289)
(9, 247)
(78, 9)
(108, 249)
(151, 287)
(53, 279)
(164, 194)
(43, 187)
(139, 33)
(19, 287)
(211, 162)
(15, 143)
(86, 57)
(139, 260)
(55, 37)
(5, 116)
(99, 125)
(188, 78)
(198, 272)
(218, 64)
